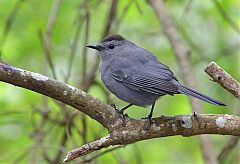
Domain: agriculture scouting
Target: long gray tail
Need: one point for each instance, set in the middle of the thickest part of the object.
(188, 91)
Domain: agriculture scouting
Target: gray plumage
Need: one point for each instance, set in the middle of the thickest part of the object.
(136, 76)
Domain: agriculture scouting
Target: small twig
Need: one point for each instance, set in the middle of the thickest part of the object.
(123, 14)
(230, 145)
(186, 10)
(89, 80)
(86, 37)
(195, 47)
(84, 127)
(46, 49)
(52, 18)
(88, 148)
(47, 158)
(46, 36)
(9, 21)
(226, 16)
(62, 144)
(95, 7)
(21, 156)
(110, 18)
(138, 6)
(73, 48)
(224, 79)
(70, 125)
(38, 133)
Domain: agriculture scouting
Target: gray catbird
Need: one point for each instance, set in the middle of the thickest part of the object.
(136, 76)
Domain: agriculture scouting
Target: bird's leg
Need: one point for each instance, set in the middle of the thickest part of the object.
(195, 114)
(120, 111)
(114, 106)
(149, 117)
(123, 109)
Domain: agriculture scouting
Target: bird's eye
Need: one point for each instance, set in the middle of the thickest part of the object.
(111, 46)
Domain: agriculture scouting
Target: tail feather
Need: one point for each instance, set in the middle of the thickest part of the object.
(188, 91)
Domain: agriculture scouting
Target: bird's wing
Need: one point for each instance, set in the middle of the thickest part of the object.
(151, 77)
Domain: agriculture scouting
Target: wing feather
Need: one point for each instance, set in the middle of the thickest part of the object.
(153, 78)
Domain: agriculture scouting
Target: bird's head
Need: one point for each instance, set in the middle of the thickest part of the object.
(110, 46)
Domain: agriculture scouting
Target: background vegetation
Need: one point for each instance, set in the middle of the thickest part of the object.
(36, 129)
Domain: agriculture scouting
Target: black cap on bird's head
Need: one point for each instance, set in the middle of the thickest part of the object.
(112, 37)
(108, 38)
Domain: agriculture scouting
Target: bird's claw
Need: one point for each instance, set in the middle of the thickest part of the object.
(119, 111)
(114, 106)
(149, 118)
(194, 114)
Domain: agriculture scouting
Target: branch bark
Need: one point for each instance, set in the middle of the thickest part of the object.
(185, 125)
(60, 91)
(120, 132)
(224, 79)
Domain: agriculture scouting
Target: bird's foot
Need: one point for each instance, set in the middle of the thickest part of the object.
(116, 109)
(194, 114)
(121, 112)
(149, 118)
(114, 106)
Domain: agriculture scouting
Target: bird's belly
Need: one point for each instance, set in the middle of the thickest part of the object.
(136, 97)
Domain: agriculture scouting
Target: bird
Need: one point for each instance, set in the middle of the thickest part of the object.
(136, 76)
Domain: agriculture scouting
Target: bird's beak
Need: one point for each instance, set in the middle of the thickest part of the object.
(96, 47)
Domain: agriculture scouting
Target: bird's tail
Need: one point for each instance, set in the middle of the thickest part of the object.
(188, 91)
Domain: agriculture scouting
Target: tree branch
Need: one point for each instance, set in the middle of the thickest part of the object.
(60, 91)
(185, 125)
(120, 132)
(223, 78)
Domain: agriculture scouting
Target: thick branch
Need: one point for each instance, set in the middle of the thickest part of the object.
(185, 125)
(60, 91)
(223, 78)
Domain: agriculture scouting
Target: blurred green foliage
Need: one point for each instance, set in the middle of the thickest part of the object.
(205, 31)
